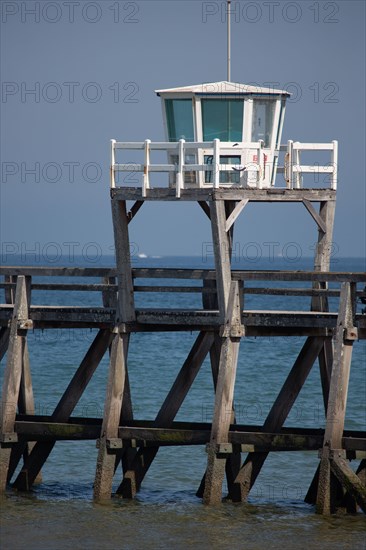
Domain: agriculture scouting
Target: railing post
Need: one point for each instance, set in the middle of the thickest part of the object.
(335, 165)
(216, 162)
(261, 171)
(290, 164)
(113, 162)
(297, 156)
(180, 178)
(146, 180)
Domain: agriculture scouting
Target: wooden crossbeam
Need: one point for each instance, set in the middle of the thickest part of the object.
(235, 213)
(134, 209)
(310, 208)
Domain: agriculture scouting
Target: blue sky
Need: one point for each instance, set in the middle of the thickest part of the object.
(76, 74)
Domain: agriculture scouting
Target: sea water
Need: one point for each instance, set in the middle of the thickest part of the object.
(60, 513)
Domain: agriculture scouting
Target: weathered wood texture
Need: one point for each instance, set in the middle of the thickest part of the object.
(12, 378)
(227, 348)
(126, 303)
(228, 194)
(106, 461)
(346, 333)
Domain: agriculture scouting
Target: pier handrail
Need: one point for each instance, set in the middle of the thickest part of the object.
(292, 169)
(186, 273)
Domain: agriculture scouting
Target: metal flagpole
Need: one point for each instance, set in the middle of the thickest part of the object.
(228, 41)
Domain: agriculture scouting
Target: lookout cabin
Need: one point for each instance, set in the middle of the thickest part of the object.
(224, 134)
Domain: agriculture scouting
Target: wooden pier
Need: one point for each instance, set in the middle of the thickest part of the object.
(221, 324)
(222, 191)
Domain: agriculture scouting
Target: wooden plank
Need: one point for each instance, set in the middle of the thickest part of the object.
(112, 289)
(66, 405)
(258, 323)
(112, 412)
(47, 271)
(12, 377)
(279, 412)
(29, 428)
(143, 459)
(228, 193)
(180, 273)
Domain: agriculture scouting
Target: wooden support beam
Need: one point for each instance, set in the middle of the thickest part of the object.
(222, 418)
(236, 213)
(112, 413)
(229, 193)
(127, 453)
(126, 305)
(278, 413)
(66, 405)
(221, 245)
(134, 209)
(319, 221)
(144, 457)
(226, 350)
(349, 480)
(326, 500)
(205, 208)
(325, 221)
(324, 249)
(12, 378)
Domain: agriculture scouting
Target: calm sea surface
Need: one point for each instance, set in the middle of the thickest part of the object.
(60, 514)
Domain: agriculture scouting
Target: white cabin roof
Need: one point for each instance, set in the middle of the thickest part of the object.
(223, 87)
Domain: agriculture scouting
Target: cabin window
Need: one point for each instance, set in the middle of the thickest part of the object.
(263, 116)
(179, 116)
(222, 119)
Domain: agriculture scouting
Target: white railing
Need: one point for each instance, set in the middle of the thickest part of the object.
(253, 156)
(293, 170)
(213, 149)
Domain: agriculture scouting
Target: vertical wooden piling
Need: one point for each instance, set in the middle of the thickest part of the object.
(12, 378)
(332, 451)
(117, 386)
(111, 417)
(228, 348)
